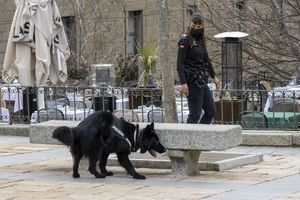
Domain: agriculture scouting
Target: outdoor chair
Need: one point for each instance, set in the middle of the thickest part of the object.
(156, 103)
(286, 105)
(253, 120)
(156, 115)
(128, 115)
(46, 114)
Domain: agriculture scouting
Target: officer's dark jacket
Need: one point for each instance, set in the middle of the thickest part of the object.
(194, 57)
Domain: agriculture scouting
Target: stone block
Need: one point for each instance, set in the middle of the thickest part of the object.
(14, 129)
(184, 162)
(208, 161)
(266, 138)
(42, 133)
(199, 136)
(237, 162)
(296, 138)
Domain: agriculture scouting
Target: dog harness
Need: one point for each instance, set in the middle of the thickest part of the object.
(126, 131)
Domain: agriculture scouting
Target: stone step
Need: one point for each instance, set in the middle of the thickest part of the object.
(208, 161)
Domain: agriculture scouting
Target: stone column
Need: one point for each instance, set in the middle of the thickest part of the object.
(184, 162)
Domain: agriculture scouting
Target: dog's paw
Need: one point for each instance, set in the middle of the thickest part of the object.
(109, 173)
(138, 176)
(76, 175)
(98, 175)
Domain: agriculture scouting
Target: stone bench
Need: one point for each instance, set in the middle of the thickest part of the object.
(183, 141)
(186, 141)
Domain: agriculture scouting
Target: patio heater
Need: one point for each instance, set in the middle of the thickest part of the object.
(227, 110)
(232, 59)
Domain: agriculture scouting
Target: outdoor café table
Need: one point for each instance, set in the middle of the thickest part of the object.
(288, 92)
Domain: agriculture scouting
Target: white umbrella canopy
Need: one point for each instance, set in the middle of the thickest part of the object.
(37, 47)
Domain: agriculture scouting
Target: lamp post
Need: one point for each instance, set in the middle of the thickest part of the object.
(232, 59)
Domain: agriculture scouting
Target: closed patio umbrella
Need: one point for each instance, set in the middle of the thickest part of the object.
(37, 46)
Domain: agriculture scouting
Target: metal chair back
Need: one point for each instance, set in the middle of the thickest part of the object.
(156, 115)
(47, 114)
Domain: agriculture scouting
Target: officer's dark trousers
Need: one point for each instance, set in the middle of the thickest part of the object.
(200, 98)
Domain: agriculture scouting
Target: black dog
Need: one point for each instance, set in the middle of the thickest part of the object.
(86, 140)
(99, 135)
(125, 138)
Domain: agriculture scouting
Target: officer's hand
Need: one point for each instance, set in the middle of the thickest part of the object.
(185, 89)
(218, 83)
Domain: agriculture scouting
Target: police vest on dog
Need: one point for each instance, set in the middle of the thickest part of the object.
(124, 130)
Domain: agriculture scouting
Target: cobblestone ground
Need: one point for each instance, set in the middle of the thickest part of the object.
(49, 177)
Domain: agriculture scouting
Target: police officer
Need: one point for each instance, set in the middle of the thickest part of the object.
(194, 67)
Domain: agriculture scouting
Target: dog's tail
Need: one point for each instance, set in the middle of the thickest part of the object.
(64, 134)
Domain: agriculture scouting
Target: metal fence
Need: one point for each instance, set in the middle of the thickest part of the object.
(252, 109)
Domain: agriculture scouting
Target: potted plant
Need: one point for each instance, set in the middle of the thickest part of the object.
(126, 71)
(149, 58)
(77, 75)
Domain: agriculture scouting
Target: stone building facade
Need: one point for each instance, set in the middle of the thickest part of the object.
(101, 30)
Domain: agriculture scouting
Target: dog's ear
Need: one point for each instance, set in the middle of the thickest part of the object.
(149, 128)
(152, 125)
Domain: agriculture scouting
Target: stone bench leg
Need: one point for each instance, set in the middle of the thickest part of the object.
(184, 162)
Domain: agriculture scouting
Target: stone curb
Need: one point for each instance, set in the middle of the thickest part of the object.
(222, 165)
(250, 137)
(271, 138)
(247, 159)
(15, 129)
(267, 139)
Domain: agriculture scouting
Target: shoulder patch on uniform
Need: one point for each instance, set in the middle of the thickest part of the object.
(183, 42)
(183, 36)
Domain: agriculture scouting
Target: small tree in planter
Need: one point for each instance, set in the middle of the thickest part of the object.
(77, 75)
(149, 57)
(126, 70)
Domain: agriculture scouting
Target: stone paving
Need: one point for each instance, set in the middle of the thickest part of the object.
(35, 171)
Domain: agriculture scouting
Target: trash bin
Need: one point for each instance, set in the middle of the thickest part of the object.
(104, 103)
